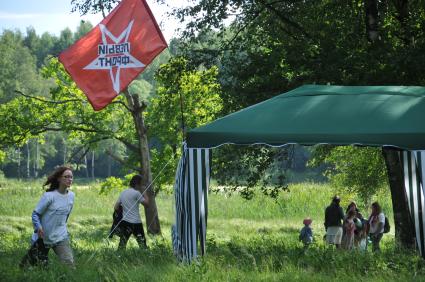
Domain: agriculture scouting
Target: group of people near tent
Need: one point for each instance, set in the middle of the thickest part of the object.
(349, 230)
(51, 214)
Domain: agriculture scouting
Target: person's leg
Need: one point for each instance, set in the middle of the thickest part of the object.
(64, 252)
(338, 237)
(376, 239)
(37, 254)
(139, 233)
(126, 231)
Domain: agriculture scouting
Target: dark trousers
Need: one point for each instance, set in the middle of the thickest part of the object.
(376, 239)
(127, 229)
(37, 255)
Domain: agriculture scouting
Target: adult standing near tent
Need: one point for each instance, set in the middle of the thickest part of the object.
(334, 215)
(131, 222)
(49, 219)
(376, 222)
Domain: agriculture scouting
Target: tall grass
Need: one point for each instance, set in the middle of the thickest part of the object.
(253, 240)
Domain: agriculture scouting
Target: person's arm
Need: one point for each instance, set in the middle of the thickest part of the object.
(341, 213)
(70, 210)
(381, 223)
(145, 201)
(38, 211)
(36, 221)
(310, 232)
(380, 228)
(117, 204)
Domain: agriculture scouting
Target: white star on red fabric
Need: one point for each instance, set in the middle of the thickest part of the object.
(114, 56)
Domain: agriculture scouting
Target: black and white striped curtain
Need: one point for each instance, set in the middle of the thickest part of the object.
(191, 198)
(414, 173)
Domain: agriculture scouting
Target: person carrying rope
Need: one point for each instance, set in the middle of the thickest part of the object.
(131, 222)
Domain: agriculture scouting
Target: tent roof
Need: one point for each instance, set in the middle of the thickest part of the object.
(316, 114)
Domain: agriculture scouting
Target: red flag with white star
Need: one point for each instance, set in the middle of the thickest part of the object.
(115, 52)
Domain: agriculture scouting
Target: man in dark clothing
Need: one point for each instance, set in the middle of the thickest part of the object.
(334, 215)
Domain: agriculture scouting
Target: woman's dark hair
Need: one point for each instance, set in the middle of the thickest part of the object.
(52, 180)
(350, 205)
(377, 207)
(135, 180)
(351, 213)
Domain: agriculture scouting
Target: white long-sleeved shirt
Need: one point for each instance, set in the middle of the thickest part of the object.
(51, 213)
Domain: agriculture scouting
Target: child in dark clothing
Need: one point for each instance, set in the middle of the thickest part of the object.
(306, 233)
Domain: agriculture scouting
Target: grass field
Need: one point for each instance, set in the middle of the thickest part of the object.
(253, 240)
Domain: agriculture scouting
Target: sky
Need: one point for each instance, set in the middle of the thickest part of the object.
(55, 15)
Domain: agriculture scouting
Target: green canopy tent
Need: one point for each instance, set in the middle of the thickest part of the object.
(308, 115)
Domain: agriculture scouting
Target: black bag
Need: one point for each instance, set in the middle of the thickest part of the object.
(387, 226)
(116, 219)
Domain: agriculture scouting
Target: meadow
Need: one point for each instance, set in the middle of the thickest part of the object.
(254, 240)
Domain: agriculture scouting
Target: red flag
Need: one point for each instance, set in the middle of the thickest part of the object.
(112, 54)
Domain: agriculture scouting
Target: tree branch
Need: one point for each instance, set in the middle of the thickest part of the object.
(241, 29)
(123, 104)
(129, 145)
(86, 145)
(47, 101)
(121, 161)
(285, 19)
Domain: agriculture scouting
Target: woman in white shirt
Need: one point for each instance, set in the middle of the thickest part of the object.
(49, 219)
(376, 223)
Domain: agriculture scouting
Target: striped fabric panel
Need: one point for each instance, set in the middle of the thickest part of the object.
(191, 190)
(413, 183)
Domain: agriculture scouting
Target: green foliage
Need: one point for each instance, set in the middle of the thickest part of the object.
(111, 183)
(256, 167)
(358, 170)
(92, 7)
(82, 29)
(17, 67)
(66, 110)
(2, 156)
(198, 91)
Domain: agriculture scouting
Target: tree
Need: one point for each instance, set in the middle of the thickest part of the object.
(82, 29)
(185, 98)
(359, 170)
(17, 67)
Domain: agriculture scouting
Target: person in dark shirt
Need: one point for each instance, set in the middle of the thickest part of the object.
(334, 215)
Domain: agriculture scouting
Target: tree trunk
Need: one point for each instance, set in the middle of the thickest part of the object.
(28, 159)
(37, 159)
(151, 212)
(64, 151)
(19, 163)
(87, 166)
(404, 229)
(372, 19)
(92, 165)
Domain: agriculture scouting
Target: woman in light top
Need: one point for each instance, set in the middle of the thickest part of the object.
(49, 220)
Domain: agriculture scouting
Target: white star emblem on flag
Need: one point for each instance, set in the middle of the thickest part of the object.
(116, 55)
